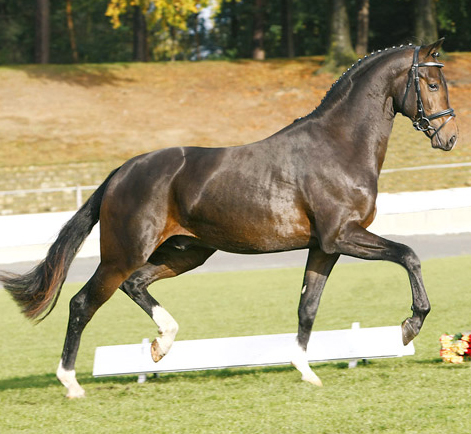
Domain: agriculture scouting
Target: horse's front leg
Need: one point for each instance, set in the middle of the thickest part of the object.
(318, 268)
(358, 242)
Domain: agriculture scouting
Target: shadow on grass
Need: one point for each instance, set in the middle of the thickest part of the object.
(29, 382)
(44, 381)
(48, 380)
(440, 364)
(169, 377)
(79, 75)
(435, 361)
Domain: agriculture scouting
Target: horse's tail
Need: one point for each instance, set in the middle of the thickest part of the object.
(39, 289)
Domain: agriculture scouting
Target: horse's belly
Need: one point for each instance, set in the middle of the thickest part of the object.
(254, 240)
(255, 230)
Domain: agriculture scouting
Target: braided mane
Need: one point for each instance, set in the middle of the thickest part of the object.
(337, 88)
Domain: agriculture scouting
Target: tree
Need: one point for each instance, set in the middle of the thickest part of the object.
(258, 30)
(426, 21)
(47, 31)
(234, 26)
(41, 49)
(340, 52)
(363, 16)
(454, 16)
(170, 15)
(71, 28)
(287, 27)
(139, 51)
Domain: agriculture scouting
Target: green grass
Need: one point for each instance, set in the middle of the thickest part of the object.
(416, 394)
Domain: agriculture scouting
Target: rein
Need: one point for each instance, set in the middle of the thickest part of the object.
(422, 121)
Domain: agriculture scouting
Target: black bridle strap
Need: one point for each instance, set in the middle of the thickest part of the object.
(450, 117)
(448, 111)
(422, 121)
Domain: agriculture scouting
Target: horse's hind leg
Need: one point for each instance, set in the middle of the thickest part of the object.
(319, 265)
(136, 288)
(160, 266)
(83, 305)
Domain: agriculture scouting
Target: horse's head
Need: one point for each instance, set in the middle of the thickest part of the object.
(425, 99)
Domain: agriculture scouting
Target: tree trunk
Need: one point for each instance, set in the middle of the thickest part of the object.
(41, 49)
(70, 27)
(287, 27)
(139, 49)
(362, 27)
(340, 52)
(173, 43)
(426, 21)
(234, 35)
(258, 34)
(197, 38)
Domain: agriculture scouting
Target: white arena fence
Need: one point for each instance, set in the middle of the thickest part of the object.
(430, 167)
(77, 190)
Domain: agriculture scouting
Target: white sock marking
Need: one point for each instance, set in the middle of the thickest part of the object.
(168, 328)
(67, 378)
(300, 362)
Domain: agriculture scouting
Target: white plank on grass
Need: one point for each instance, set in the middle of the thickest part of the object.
(264, 350)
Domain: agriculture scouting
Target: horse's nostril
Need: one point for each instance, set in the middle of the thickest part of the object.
(452, 140)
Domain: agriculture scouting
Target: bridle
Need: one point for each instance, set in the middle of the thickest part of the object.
(421, 121)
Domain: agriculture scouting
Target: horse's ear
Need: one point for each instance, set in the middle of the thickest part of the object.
(434, 48)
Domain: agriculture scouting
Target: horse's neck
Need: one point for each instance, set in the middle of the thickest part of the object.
(365, 116)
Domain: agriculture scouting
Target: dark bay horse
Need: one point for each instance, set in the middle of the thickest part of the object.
(312, 185)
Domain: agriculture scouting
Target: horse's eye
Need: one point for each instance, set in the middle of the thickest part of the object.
(433, 87)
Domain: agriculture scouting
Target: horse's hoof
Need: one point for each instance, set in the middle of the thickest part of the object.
(408, 332)
(312, 379)
(75, 393)
(156, 352)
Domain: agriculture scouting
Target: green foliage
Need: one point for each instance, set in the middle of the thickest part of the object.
(16, 31)
(454, 17)
(169, 13)
(391, 23)
(96, 40)
(416, 394)
(234, 27)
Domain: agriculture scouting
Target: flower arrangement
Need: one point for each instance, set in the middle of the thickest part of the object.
(455, 348)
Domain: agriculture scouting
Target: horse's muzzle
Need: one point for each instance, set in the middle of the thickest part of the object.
(446, 137)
